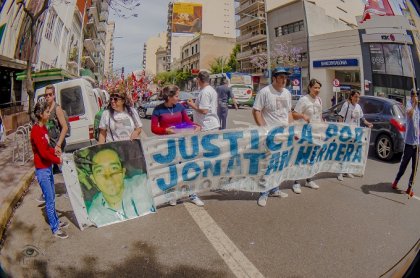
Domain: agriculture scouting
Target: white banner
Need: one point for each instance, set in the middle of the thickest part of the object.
(254, 160)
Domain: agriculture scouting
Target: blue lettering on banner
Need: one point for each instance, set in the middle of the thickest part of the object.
(336, 63)
(213, 150)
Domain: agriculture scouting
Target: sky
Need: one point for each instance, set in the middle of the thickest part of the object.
(134, 32)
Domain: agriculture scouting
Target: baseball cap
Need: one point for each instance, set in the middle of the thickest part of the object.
(280, 70)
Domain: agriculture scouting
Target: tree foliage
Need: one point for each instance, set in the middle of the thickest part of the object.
(283, 54)
(220, 64)
(178, 78)
(233, 62)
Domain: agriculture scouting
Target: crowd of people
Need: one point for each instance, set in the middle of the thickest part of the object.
(272, 107)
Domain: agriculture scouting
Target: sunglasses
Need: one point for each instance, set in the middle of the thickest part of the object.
(49, 94)
(115, 99)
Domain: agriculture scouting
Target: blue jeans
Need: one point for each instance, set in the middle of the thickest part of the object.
(46, 181)
(274, 190)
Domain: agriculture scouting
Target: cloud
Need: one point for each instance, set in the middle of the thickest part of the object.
(151, 20)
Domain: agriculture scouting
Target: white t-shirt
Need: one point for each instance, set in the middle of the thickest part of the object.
(351, 113)
(207, 99)
(121, 126)
(311, 107)
(275, 106)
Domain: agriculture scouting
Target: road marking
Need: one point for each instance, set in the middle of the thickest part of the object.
(233, 257)
(243, 123)
(415, 197)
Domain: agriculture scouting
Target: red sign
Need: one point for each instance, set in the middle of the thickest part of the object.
(195, 71)
(377, 7)
(295, 82)
(336, 83)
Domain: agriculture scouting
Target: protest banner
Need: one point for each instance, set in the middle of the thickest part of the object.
(254, 160)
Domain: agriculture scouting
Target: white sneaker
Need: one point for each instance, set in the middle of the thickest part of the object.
(196, 200)
(312, 185)
(279, 193)
(172, 202)
(296, 188)
(262, 200)
(340, 177)
(349, 176)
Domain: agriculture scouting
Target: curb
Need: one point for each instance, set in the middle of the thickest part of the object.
(12, 198)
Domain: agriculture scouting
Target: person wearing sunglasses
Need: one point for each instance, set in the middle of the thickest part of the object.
(412, 143)
(119, 121)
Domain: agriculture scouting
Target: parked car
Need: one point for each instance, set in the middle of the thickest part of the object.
(388, 119)
(81, 102)
(145, 110)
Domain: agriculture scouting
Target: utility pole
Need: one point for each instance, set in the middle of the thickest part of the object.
(81, 39)
(267, 31)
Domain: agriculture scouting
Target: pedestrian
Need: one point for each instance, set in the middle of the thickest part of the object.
(2, 132)
(171, 117)
(273, 107)
(412, 142)
(309, 109)
(119, 121)
(205, 112)
(224, 93)
(333, 100)
(351, 113)
(57, 125)
(44, 157)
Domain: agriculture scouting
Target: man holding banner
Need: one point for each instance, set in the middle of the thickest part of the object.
(273, 107)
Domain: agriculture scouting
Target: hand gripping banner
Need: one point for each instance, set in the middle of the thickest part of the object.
(123, 180)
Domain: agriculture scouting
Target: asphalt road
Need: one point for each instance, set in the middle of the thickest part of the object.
(355, 228)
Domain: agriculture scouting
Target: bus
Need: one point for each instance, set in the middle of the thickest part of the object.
(240, 84)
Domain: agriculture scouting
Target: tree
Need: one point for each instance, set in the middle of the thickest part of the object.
(220, 64)
(178, 78)
(283, 54)
(233, 63)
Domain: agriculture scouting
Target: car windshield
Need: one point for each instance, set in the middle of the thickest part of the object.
(185, 96)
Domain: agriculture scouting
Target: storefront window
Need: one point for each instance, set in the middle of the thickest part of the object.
(393, 59)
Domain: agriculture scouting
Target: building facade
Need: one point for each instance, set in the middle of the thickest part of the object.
(218, 19)
(149, 52)
(109, 49)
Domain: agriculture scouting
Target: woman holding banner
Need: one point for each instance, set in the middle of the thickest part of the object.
(351, 113)
(119, 121)
(309, 109)
(170, 117)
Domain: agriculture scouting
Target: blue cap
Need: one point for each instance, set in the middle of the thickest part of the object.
(280, 70)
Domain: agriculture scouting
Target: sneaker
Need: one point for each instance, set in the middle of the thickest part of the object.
(262, 200)
(340, 177)
(395, 185)
(63, 224)
(349, 176)
(312, 185)
(172, 202)
(296, 188)
(61, 234)
(278, 193)
(196, 200)
(409, 191)
(40, 199)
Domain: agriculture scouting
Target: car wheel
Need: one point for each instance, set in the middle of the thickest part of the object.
(142, 112)
(384, 147)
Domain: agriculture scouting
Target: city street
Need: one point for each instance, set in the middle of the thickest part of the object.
(356, 228)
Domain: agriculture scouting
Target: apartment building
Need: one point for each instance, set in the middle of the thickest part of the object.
(218, 19)
(149, 52)
(109, 49)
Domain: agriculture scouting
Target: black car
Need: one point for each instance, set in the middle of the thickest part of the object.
(146, 108)
(388, 119)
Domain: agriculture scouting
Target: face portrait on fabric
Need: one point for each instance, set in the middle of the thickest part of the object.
(113, 179)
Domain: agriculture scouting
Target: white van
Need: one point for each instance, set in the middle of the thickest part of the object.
(78, 99)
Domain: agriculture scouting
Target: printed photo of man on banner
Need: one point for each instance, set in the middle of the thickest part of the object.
(113, 181)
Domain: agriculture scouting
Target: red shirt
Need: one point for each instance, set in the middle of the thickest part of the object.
(44, 154)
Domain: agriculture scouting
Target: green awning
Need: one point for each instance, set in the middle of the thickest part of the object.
(50, 74)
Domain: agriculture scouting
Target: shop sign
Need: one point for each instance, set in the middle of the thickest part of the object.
(390, 38)
(336, 63)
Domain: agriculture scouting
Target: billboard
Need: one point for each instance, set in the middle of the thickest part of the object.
(187, 18)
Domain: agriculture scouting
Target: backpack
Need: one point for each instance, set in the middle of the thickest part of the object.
(96, 122)
(54, 127)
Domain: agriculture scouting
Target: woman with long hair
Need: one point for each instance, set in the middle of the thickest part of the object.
(309, 109)
(170, 117)
(119, 121)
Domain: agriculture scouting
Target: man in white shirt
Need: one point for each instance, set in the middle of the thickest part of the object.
(273, 107)
(205, 106)
(205, 112)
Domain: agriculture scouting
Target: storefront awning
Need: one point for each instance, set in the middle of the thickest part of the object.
(12, 63)
(45, 75)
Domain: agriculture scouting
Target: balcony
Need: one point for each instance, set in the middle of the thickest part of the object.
(89, 44)
(243, 55)
(249, 5)
(251, 37)
(88, 61)
(102, 27)
(249, 20)
(100, 48)
(104, 6)
(104, 16)
(93, 13)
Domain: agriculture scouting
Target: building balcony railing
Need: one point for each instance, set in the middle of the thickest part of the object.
(104, 6)
(102, 27)
(244, 54)
(89, 44)
(247, 20)
(89, 61)
(249, 5)
(93, 13)
(104, 16)
(250, 37)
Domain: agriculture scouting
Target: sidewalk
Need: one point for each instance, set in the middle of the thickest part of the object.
(14, 180)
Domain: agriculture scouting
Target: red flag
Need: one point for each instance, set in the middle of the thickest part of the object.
(377, 7)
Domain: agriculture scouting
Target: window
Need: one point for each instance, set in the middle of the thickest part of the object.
(72, 101)
(50, 25)
(65, 38)
(341, 9)
(289, 28)
(372, 107)
(58, 29)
